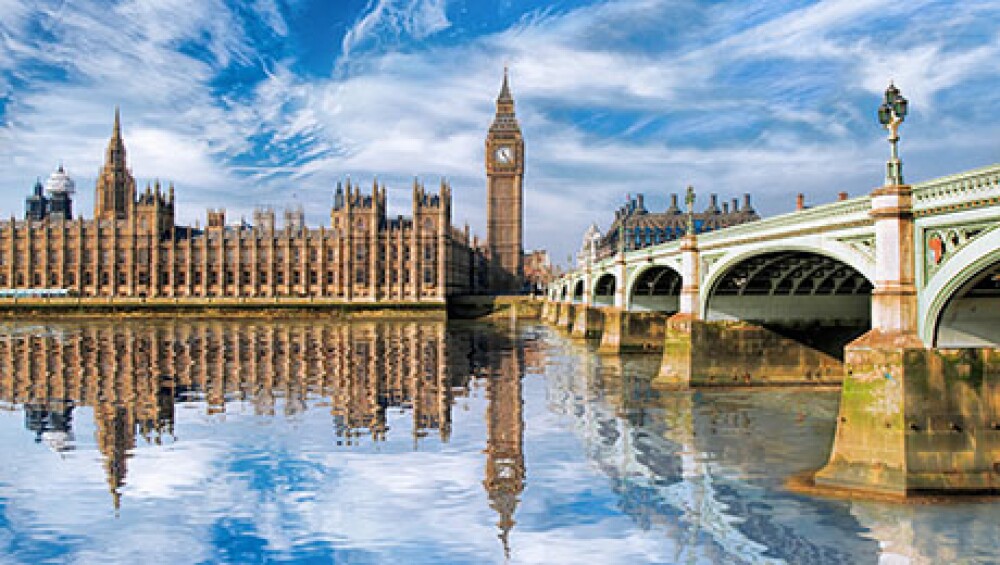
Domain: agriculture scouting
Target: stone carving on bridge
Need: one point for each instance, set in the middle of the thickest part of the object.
(966, 191)
(941, 244)
(863, 244)
(708, 261)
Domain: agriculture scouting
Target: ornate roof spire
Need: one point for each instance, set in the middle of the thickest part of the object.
(118, 124)
(116, 145)
(505, 94)
(504, 119)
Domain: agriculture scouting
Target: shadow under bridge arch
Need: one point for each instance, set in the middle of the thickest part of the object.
(971, 315)
(604, 290)
(814, 299)
(578, 292)
(656, 289)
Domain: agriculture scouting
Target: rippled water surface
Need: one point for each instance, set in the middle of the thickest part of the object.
(415, 442)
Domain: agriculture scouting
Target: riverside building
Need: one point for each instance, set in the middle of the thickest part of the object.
(133, 247)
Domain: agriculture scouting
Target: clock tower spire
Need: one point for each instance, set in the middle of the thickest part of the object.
(504, 202)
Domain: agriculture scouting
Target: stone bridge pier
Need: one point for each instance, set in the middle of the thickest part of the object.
(587, 320)
(607, 317)
(912, 418)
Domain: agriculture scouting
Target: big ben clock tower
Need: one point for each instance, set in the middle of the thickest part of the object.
(504, 202)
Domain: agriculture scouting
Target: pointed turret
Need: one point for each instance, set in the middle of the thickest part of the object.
(505, 95)
(36, 204)
(115, 194)
(505, 118)
(338, 197)
(116, 145)
(118, 123)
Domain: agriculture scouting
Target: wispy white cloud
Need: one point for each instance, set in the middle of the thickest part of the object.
(388, 21)
(614, 97)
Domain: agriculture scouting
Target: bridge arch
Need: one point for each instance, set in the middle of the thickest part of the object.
(963, 305)
(604, 290)
(832, 249)
(578, 288)
(655, 288)
(808, 295)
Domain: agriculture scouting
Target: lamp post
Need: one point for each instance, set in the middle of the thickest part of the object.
(891, 114)
(689, 201)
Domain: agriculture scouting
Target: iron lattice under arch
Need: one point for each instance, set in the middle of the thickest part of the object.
(658, 281)
(605, 286)
(792, 273)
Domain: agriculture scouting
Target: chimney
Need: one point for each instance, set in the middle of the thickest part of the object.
(800, 202)
(674, 209)
(842, 196)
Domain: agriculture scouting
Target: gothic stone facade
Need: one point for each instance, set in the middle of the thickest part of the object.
(133, 247)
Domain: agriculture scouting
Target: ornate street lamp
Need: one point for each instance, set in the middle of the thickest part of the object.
(891, 114)
(689, 200)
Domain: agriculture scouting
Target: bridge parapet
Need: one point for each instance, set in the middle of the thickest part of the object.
(819, 218)
(971, 189)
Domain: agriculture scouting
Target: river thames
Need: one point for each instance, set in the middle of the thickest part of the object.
(208, 441)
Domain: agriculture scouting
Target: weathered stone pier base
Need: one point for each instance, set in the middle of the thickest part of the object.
(565, 319)
(698, 353)
(916, 420)
(624, 332)
(587, 323)
(546, 311)
(552, 314)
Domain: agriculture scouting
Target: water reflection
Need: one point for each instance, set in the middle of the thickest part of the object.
(708, 468)
(134, 375)
(415, 442)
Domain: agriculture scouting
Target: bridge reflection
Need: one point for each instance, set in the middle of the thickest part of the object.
(709, 467)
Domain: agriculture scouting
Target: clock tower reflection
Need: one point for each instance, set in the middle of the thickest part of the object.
(505, 470)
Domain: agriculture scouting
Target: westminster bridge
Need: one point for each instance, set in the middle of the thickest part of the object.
(895, 295)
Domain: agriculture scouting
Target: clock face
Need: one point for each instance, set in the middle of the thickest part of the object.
(504, 154)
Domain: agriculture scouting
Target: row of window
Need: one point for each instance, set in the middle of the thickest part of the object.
(142, 278)
(142, 255)
(331, 235)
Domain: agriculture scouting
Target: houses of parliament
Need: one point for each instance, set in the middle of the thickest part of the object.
(134, 248)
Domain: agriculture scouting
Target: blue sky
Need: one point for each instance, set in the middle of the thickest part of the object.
(269, 102)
